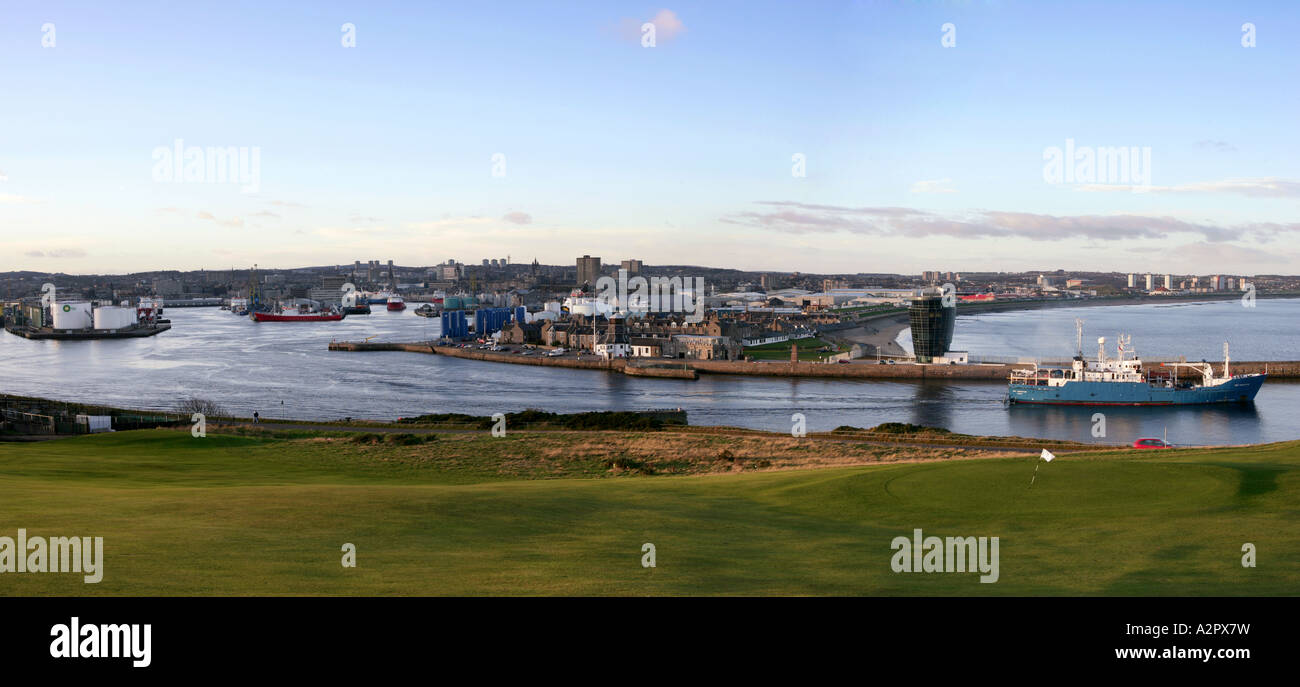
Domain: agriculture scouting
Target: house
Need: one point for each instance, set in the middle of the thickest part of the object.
(645, 347)
(703, 347)
(521, 333)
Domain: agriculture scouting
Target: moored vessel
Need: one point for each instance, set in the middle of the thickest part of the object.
(302, 313)
(1125, 381)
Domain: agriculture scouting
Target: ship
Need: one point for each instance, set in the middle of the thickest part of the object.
(1125, 381)
(303, 313)
(396, 303)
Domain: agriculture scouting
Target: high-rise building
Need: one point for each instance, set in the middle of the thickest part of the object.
(1169, 282)
(932, 324)
(588, 270)
(1151, 281)
(1132, 280)
(633, 267)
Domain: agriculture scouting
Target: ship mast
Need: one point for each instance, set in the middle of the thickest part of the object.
(1078, 336)
(1226, 374)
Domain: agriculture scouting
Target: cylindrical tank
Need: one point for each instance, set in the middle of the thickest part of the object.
(71, 315)
(113, 317)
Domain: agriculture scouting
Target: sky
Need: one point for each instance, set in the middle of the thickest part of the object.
(818, 136)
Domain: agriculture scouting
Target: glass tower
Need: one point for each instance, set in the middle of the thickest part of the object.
(932, 324)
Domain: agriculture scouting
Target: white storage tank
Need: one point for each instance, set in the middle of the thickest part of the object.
(114, 317)
(71, 315)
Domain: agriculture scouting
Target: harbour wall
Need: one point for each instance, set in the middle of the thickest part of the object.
(690, 369)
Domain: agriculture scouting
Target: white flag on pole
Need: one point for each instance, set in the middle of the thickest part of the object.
(1046, 455)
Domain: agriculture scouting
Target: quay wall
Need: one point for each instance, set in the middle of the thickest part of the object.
(691, 368)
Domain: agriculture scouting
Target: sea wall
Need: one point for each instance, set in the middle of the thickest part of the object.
(689, 369)
(861, 370)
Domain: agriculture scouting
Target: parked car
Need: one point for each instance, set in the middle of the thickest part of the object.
(1152, 443)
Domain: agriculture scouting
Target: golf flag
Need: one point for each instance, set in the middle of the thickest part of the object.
(1046, 455)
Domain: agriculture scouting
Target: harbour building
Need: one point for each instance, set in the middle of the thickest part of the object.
(932, 324)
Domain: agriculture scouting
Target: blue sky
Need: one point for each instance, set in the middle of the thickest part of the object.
(918, 156)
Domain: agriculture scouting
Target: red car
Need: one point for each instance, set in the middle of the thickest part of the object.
(1152, 443)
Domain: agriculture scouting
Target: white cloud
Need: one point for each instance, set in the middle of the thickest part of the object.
(667, 27)
(57, 253)
(1265, 187)
(933, 186)
(803, 218)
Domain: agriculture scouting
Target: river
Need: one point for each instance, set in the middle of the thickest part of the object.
(284, 370)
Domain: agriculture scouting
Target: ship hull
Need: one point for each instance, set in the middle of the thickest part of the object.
(272, 317)
(1236, 390)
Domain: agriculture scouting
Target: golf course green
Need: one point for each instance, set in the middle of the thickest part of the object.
(269, 515)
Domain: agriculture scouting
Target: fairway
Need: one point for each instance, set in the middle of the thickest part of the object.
(235, 515)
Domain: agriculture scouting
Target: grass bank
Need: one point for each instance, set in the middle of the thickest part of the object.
(557, 513)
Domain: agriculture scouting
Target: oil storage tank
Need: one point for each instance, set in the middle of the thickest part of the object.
(114, 317)
(71, 315)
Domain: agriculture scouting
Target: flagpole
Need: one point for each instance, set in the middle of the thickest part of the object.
(1044, 456)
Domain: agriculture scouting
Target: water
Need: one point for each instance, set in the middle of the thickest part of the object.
(1268, 331)
(284, 370)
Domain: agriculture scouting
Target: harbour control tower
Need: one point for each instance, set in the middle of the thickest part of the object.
(932, 324)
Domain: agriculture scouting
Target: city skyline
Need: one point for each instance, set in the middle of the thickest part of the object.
(551, 132)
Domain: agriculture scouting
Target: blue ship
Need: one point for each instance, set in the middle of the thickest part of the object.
(1124, 381)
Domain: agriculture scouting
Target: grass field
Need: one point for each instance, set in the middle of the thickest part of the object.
(238, 515)
(808, 349)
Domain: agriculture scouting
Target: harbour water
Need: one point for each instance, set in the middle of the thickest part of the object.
(284, 370)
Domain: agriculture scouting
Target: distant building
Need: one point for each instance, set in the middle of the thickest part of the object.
(633, 267)
(1151, 282)
(333, 282)
(588, 270)
(1132, 280)
(832, 284)
(1169, 281)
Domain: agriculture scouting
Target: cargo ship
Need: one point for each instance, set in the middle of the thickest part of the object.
(1125, 381)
